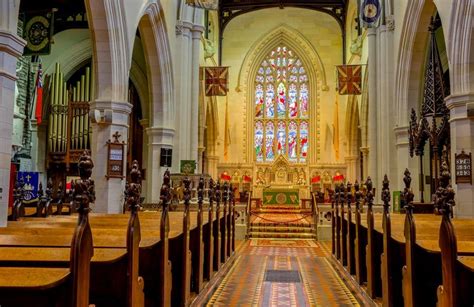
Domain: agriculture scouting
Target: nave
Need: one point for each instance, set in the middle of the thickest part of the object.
(269, 273)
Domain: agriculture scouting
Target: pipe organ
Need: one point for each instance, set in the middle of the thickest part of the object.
(69, 131)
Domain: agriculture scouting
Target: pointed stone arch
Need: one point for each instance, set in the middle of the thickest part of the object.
(294, 40)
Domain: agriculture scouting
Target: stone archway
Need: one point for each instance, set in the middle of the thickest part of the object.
(159, 73)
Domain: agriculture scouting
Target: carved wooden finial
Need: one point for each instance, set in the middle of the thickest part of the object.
(187, 191)
(84, 189)
(49, 188)
(165, 195)
(134, 188)
(218, 194)
(40, 190)
(357, 194)
(385, 195)
(369, 197)
(407, 192)
(200, 190)
(231, 193)
(443, 198)
(225, 192)
(212, 191)
(349, 194)
(342, 193)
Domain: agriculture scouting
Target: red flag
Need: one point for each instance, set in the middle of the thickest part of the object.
(349, 79)
(316, 179)
(225, 176)
(39, 96)
(247, 178)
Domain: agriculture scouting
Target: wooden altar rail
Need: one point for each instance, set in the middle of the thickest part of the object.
(162, 237)
(404, 262)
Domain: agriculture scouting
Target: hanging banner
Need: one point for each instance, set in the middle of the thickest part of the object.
(30, 182)
(349, 79)
(204, 4)
(38, 32)
(370, 13)
(216, 80)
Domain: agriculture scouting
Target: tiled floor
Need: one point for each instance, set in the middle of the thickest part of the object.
(282, 276)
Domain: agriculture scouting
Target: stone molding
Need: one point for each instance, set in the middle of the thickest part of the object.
(160, 136)
(11, 43)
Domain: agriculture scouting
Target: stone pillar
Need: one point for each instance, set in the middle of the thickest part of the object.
(196, 32)
(462, 138)
(158, 137)
(145, 123)
(365, 165)
(109, 191)
(11, 47)
(183, 93)
(351, 162)
(211, 167)
(372, 166)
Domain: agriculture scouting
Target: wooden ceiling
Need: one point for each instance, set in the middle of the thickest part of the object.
(230, 9)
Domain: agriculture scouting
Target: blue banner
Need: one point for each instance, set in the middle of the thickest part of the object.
(370, 13)
(30, 182)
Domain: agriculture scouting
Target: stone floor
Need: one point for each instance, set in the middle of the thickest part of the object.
(268, 273)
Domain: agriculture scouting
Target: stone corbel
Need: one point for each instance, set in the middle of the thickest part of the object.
(390, 23)
(183, 28)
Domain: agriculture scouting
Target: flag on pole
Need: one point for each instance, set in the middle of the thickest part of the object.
(370, 13)
(349, 79)
(335, 134)
(39, 96)
(226, 130)
(217, 81)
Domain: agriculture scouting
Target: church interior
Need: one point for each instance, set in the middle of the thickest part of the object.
(236, 153)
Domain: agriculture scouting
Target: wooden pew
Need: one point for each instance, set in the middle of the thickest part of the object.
(350, 238)
(223, 224)
(109, 227)
(343, 225)
(217, 227)
(197, 243)
(58, 286)
(118, 267)
(209, 234)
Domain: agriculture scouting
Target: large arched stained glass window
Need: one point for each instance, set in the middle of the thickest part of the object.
(281, 108)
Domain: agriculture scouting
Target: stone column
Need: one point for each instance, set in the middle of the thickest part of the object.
(462, 138)
(11, 47)
(183, 93)
(372, 166)
(109, 191)
(365, 160)
(158, 137)
(196, 32)
(351, 162)
(211, 167)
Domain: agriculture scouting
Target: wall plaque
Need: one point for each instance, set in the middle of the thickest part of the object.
(463, 167)
(115, 157)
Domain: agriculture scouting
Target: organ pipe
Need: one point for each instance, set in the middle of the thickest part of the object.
(69, 126)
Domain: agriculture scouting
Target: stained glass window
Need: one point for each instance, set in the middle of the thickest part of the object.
(281, 107)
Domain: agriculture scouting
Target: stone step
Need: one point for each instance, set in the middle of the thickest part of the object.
(280, 229)
(295, 235)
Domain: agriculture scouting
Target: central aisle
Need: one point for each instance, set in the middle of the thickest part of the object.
(272, 272)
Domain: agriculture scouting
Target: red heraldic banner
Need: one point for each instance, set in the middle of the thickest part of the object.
(39, 96)
(349, 79)
(217, 81)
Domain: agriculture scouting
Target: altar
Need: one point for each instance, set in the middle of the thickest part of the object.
(281, 183)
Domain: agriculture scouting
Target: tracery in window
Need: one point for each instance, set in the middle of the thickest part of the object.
(281, 107)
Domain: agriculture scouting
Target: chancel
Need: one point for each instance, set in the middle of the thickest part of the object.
(236, 153)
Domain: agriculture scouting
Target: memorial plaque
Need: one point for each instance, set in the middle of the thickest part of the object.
(463, 167)
(115, 158)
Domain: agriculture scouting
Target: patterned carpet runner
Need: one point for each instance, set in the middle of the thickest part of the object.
(282, 276)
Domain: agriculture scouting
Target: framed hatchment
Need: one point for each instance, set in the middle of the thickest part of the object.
(463, 167)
